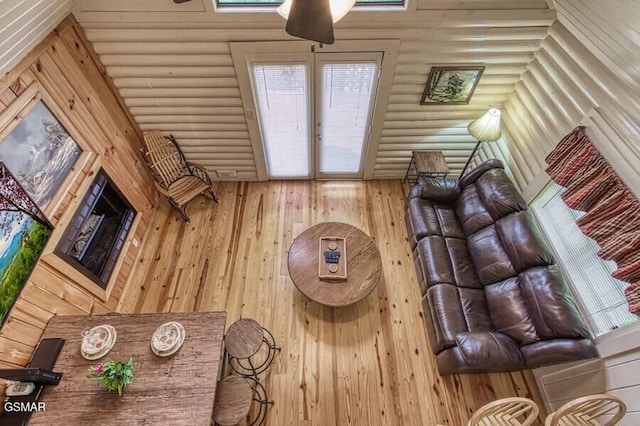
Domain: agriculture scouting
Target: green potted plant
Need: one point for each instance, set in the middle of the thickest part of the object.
(114, 374)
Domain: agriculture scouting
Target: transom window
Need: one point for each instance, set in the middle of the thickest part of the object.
(274, 3)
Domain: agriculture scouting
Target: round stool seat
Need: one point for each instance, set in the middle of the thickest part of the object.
(233, 401)
(244, 338)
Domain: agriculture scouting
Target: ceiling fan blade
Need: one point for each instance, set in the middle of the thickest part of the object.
(311, 20)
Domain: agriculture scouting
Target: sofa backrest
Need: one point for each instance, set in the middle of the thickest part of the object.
(526, 295)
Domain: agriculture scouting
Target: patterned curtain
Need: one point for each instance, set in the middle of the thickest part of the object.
(612, 216)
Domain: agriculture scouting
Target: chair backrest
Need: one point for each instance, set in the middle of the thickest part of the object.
(507, 412)
(164, 158)
(588, 409)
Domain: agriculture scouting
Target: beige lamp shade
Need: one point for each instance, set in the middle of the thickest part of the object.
(339, 8)
(487, 127)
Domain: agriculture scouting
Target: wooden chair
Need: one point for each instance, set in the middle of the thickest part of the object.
(506, 412)
(587, 410)
(176, 178)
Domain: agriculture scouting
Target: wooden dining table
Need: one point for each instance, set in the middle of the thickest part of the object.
(176, 390)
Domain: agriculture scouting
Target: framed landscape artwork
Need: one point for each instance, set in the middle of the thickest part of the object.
(451, 85)
(35, 157)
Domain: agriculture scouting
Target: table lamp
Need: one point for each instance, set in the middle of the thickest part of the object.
(484, 129)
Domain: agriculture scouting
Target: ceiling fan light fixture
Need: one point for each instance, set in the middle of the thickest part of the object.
(339, 8)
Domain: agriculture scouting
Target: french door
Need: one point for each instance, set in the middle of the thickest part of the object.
(315, 114)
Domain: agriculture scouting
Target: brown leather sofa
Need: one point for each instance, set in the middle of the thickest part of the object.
(493, 299)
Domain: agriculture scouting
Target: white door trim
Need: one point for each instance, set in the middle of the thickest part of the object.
(243, 52)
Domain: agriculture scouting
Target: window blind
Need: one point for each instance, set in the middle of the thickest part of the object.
(600, 296)
(283, 110)
(347, 92)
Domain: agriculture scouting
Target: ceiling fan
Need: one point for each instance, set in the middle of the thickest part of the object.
(314, 19)
(311, 19)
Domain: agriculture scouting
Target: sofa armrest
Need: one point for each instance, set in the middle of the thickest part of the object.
(438, 189)
(489, 349)
(474, 174)
(556, 351)
(480, 352)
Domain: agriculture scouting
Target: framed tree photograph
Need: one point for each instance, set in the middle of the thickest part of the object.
(451, 85)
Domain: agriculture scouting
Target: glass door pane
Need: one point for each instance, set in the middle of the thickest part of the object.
(282, 97)
(345, 105)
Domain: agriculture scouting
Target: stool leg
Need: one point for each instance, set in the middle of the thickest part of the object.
(226, 360)
(271, 341)
(262, 399)
(249, 371)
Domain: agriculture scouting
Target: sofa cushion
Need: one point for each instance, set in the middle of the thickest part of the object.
(464, 272)
(489, 257)
(551, 305)
(446, 313)
(448, 221)
(422, 220)
(433, 262)
(509, 311)
(475, 309)
(523, 241)
(489, 349)
(471, 212)
(557, 351)
(499, 196)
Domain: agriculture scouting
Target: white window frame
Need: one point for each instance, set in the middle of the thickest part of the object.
(610, 344)
(270, 8)
(245, 53)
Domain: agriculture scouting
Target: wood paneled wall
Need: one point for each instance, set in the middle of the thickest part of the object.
(74, 86)
(173, 67)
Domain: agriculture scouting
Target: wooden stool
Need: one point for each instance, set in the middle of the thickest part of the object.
(244, 339)
(507, 411)
(234, 396)
(588, 410)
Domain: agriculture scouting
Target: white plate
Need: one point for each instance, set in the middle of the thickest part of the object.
(96, 339)
(174, 330)
(108, 345)
(167, 336)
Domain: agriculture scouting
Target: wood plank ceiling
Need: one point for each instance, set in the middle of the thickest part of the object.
(172, 65)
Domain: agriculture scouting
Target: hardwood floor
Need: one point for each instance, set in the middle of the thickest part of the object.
(367, 364)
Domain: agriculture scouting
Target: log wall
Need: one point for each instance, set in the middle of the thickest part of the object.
(586, 72)
(172, 65)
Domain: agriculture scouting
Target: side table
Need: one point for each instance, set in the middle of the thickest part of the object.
(426, 164)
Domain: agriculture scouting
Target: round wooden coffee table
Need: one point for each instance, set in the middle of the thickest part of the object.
(364, 266)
